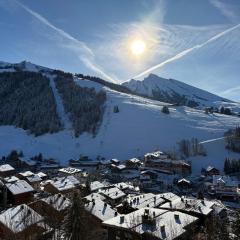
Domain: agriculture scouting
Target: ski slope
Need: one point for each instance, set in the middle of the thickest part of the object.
(59, 104)
(139, 127)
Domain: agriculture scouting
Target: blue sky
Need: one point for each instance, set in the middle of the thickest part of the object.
(190, 40)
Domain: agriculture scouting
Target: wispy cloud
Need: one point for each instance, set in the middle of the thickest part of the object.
(186, 51)
(232, 93)
(227, 9)
(232, 90)
(84, 53)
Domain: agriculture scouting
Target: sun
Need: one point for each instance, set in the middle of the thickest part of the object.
(138, 47)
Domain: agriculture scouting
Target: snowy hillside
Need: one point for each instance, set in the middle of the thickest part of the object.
(173, 91)
(23, 66)
(139, 127)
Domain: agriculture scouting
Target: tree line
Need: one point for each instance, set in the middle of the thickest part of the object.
(85, 106)
(27, 101)
(232, 139)
(231, 165)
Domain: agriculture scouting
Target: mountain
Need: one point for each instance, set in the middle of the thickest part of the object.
(175, 92)
(85, 121)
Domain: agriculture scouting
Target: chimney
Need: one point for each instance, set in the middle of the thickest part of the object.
(121, 219)
(163, 232)
(176, 216)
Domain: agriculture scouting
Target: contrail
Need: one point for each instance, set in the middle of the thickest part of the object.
(86, 54)
(187, 51)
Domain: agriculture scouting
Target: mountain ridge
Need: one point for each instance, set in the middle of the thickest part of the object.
(175, 92)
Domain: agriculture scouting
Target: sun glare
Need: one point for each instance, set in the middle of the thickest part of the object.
(138, 47)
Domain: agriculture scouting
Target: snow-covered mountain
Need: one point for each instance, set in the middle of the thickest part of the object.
(23, 66)
(138, 127)
(175, 92)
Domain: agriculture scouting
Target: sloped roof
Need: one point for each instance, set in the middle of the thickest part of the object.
(19, 187)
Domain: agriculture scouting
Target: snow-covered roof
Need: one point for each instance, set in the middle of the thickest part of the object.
(6, 168)
(18, 218)
(112, 193)
(165, 224)
(124, 186)
(203, 207)
(145, 200)
(19, 187)
(115, 160)
(11, 179)
(33, 178)
(155, 154)
(210, 168)
(65, 183)
(41, 174)
(169, 196)
(121, 166)
(184, 180)
(99, 208)
(134, 160)
(26, 174)
(58, 201)
(70, 170)
(96, 185)
(95, 196)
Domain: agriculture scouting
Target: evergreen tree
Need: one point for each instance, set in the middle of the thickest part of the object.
(236, 226)
(165, 110)
(222, 110)
(76, 223)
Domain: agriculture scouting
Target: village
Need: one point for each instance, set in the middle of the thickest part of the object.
(152, 197)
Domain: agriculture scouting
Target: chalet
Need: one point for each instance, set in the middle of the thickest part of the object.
(103, 164)
(98, 208)
(118, 168)
(33, 179)
(115, 161)
(19, 192)
(184, 184)
(133, 163)
(22, 222)
(64, 172)
(225, 188)
(10, 179)
(210, 171)
(150, 223)
(62, 185)
(145, 180)
(135, 202)
(42, 175)
(50, 169)
(175, 166)
(195, 207)
(154, 156)
(127, 187)
(113, 195)
(169, 196)
(96, 185)
(53, 207)
(6, 170)
(28, 163)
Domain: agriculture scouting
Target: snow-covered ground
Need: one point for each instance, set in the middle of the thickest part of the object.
(139, 127)
(216, 154)
(59, 104)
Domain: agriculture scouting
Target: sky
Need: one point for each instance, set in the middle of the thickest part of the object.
(194, 41)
